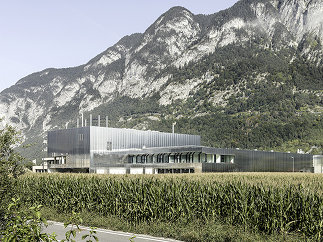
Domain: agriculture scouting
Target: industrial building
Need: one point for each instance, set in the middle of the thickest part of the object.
(107, 150)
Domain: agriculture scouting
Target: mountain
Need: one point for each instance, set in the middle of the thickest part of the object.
(250, 76)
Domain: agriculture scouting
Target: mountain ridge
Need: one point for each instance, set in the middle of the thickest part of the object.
(211, 64)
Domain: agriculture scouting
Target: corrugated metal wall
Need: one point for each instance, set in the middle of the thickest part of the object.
(120, 139)
(107, 146)
(74, 142)
(82, 140)
(266, 161)
(69, 141)
(244, 160)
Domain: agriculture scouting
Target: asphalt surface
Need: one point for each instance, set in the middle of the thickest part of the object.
(103, 235)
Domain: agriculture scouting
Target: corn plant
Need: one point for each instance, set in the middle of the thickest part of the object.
(263, 201)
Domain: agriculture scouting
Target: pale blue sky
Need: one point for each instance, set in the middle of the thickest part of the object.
(38, 34)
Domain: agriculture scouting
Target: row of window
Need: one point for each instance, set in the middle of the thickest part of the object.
(181, 158)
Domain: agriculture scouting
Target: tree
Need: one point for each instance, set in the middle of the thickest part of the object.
(10, 165)
(17, 223)
(24, 224)
(10, 161)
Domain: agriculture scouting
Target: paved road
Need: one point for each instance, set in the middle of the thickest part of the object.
(103, 235)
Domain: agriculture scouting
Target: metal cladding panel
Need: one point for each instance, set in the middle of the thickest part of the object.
(218, 167)
(266, 161)
(318, 163)
(157, 150)
(112, 146)
(69, 141)
(244, 160)
(121, 139)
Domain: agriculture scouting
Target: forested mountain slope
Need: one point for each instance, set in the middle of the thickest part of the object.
(250, 77)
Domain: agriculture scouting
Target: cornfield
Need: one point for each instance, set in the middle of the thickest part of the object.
(266, 202)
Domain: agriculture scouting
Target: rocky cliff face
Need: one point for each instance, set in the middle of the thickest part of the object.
(143, 66)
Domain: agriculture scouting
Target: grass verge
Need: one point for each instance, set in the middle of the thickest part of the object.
(196, 230)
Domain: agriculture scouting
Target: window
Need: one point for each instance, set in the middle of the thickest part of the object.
(222, 159)
(109, 145)
(81, 137)
(227, 159)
